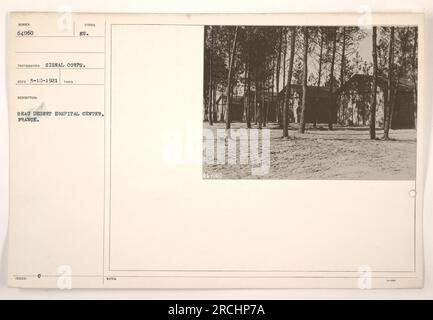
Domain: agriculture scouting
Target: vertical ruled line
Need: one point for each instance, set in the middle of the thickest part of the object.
(105, 160)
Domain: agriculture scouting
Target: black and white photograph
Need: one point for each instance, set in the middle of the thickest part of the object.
(310, 102)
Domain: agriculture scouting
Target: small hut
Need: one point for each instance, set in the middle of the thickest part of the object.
(354, 100)
(318, 105)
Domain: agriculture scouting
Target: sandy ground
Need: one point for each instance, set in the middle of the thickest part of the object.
(344, 153)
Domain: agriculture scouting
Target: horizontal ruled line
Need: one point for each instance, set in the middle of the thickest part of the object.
(82, 37)
(36, 68)
(259, 271)
(212, 276)
(72, 52)
(59, 84)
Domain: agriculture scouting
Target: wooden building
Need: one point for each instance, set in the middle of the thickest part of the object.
(354, 99)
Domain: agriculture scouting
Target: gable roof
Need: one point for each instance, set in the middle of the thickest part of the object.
(366, 80)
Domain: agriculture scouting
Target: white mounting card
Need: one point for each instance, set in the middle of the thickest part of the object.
(216, 150)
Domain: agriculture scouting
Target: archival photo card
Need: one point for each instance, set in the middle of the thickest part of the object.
(216, 150)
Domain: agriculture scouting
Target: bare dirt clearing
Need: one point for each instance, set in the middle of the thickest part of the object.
(344, 153)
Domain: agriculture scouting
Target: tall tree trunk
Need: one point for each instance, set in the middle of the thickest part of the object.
(258, 104)
(287, 90)
(385, 105)
(343, 61)
(247, 93)
(214, 103)
(315, 112)
(256, 97)
(267, 108)
(343, 57)
(331, 80)
(229, 80)
(280, 107)
(280, 45)
(263, 108)
(210, 107)
(272, 85)
(304, 82)
(209, 115)
(222, 111)
(388, 111)
(414, 74)
(374, 88)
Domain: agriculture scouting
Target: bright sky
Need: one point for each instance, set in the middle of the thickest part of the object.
(366, 47)
(365, 51)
